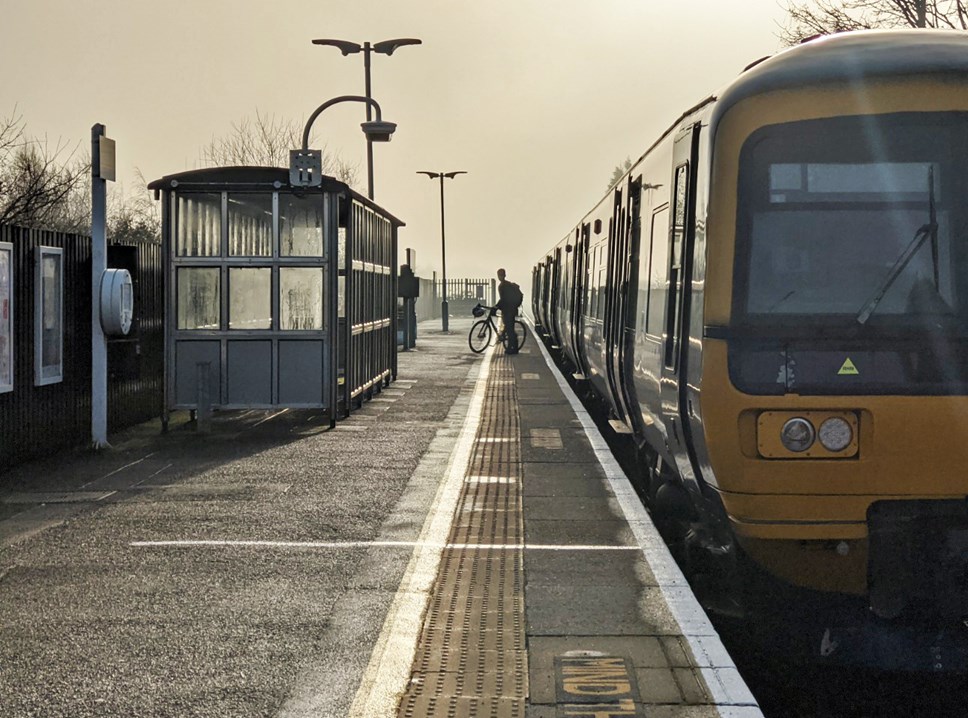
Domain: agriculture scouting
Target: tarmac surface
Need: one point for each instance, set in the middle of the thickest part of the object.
(273, 567)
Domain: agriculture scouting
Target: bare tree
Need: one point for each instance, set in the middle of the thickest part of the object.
(266, 141)
(620, 169)
(133, 217)
(37, 180)
(824, 17)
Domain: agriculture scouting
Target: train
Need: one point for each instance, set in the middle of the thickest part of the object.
(771, 309)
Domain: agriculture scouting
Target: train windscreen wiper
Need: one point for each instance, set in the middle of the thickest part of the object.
(924, 232)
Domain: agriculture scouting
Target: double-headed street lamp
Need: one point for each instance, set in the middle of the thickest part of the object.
(385, 47)
(443, 243)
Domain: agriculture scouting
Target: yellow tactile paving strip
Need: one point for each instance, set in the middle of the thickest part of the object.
(471, 658)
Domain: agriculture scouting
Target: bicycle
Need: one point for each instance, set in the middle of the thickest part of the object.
(483, 330)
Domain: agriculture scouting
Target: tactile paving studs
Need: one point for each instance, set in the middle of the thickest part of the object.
(471, 658)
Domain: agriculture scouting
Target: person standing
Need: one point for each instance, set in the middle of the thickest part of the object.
(509, 301)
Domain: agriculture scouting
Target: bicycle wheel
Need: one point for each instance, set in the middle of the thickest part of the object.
(480, 336)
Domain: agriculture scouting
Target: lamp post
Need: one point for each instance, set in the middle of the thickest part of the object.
(386, 47)
(306, 165)
(443, 243)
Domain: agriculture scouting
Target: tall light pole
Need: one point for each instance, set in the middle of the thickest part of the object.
(443, 242)
(386, 47)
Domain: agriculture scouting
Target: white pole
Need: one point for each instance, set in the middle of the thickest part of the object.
(99, 257)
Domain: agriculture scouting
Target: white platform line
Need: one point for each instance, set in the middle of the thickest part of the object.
(388, 673)
(693, 622)
(336, 545)
(118, 470)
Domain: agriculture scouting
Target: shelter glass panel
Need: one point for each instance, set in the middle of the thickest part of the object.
(250, 225)
(301, 292)
(199, 225)
(300, 226)
(250, 298)
(198, 297)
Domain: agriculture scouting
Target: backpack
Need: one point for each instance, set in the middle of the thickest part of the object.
(515, 297)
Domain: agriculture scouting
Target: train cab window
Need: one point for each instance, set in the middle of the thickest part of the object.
(658, 268)
(837, 215)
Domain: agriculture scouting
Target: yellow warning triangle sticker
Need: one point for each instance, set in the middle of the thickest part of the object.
(848, 368)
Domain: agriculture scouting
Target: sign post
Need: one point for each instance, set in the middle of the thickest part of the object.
(102, 171)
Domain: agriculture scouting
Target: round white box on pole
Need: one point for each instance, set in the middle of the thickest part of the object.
(117, 302)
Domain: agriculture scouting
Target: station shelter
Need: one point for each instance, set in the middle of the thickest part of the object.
(276, 295)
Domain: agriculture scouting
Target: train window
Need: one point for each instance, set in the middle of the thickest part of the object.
(829, 211)
(602, 281)
(674, 295)
(658, 271)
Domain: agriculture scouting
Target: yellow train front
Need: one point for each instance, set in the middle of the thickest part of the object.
(793, 359)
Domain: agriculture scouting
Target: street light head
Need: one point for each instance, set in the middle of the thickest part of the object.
(441, 175)
(346, 47)
(388, 46)
(378, 130)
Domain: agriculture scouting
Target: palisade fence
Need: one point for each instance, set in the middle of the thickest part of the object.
(39, 420)
(464, 294)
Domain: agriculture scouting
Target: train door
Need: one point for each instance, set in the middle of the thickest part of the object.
(681, 241)
(581, 297)
(629, 276)
(580, 285)
(536, 296)
(615, 305)
(555, 298)
(545, 323)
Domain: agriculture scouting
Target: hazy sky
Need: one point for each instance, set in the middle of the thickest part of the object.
(537, 100)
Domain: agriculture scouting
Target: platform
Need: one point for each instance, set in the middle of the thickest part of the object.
(465, 545)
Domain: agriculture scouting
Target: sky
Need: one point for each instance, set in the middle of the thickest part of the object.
(537, 100)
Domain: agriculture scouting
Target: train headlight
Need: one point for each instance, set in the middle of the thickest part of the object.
(797, 434)
(835, 434)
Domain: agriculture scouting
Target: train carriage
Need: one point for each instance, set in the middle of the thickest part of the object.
(774, 303)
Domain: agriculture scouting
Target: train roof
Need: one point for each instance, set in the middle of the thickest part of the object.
(851, 57)
(251, 178)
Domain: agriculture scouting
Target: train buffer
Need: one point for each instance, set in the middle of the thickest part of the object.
(462, 545)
